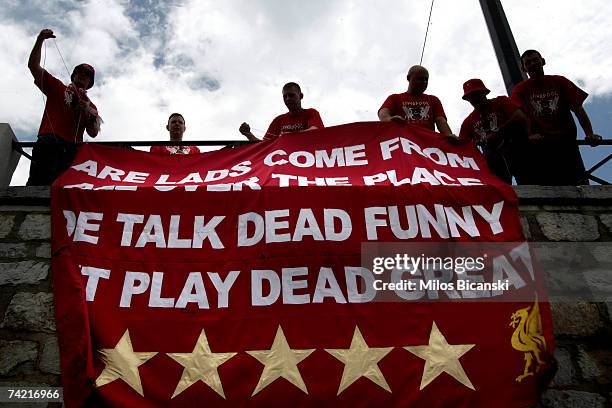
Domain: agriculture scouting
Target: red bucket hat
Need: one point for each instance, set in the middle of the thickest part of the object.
(86, 69)
(474, 85)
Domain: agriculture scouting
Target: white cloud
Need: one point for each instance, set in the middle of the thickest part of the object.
(222, 63)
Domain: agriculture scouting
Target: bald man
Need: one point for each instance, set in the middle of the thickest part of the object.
(414, 106)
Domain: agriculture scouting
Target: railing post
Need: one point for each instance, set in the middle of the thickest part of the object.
(503, 43)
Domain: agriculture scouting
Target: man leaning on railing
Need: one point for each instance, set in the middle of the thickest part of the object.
(552, 153)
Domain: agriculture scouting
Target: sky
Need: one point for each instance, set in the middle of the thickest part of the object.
(224, 63)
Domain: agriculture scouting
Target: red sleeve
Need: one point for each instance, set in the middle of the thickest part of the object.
(315, 120)
(389, 103)
(157, 149)
(438, 110)
(575, 96)
(465, 133)
(194, 150)
(48, 84)
(517, 95)
(273, 130)
(507, 106)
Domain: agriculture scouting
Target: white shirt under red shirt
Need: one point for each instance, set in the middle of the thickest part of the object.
(170, 150)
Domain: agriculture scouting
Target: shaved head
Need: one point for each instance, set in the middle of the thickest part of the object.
(416, 69)
(418, 78)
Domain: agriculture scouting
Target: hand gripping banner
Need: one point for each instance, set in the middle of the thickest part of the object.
(255, 276)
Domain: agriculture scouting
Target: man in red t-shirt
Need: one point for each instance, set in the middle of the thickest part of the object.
(176, 128)
(297, 119)
(414, 106)
(68, 113)
(498, 127)
(548, 100)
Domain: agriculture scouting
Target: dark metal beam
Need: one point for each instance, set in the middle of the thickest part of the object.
(503, 43)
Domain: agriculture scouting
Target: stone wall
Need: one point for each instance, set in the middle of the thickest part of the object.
(28, 344)
(583, 330)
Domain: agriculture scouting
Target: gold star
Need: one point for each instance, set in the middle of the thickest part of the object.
(361, 361)
(122, 362)
(200, 364)
(441, 357)
(280, 361)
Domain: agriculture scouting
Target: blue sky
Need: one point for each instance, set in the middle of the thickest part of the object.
(222, 63)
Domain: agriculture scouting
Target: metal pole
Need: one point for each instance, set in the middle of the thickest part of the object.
(503, 43)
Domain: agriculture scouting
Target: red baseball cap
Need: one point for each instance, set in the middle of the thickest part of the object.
(474, 85)
(86, 69)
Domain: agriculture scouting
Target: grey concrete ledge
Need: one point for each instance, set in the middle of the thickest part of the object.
(564, 195)
(23, 195)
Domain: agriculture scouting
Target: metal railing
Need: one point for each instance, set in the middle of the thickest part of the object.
(19, 146)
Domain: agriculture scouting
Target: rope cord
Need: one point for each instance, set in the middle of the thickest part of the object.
(76, 132)
(62, 57)
(426, 32)
(44, 96)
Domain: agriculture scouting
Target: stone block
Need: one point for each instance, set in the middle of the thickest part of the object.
(24, 208)
(13, 250)
(596, 364)
(568, 227)
(31, 312)
(572, 399)
(565, 283)
(35, 226)
(588, 366)
(6, 224)
(14, 354)
(543, 193)
(49, 361)
(24, 272)
(525, 225)
(557, 208)
(577, 318)
(600, 283)
(26, 192)
(606, 219)
(566, 374)
(601, 252)
(529, 208)
(595, 193)
(43, 251)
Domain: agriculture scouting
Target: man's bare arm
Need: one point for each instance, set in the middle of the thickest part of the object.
(93, 125)
(585, 123)
(34, 60)
(245, 129)
(384, 115)
(442, 126)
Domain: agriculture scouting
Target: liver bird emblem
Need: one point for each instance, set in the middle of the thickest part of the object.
(528, 338)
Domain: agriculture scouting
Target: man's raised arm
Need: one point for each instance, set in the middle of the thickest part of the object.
(34, 60)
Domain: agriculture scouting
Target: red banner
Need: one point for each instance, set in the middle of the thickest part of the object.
(235, 277)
